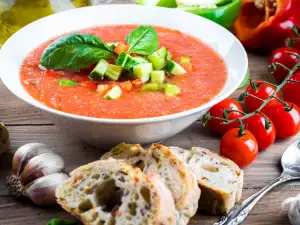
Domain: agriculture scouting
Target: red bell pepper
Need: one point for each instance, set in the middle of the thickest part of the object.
(266, 23)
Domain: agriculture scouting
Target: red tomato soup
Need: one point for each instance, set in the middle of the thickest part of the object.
(198, 86)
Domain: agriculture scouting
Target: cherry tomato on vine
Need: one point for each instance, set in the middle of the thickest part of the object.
(286, 122)
(291, 90)
(264, 133)
(261, 90)
(240, 149)
(217, 110)
(288, 60)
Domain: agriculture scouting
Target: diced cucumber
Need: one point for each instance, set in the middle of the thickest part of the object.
(151, 87)
(100, 69)
(67, 83)
(171, 90)
(157, 76)
(112, 45)
(140, 59)
(184, 60)
(174, 68)
(126, 61)
(113, 93)
(162, 52)
(142, 71)
(158, 58)
(163, 3)
(113, 72)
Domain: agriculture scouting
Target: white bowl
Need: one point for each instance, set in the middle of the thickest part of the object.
(107, 132)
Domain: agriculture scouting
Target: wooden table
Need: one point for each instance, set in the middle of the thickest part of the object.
(27, 124)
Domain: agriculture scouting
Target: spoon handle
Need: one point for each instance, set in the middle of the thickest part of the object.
(240, 211)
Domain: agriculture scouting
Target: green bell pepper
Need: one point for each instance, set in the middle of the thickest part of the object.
(225, 13)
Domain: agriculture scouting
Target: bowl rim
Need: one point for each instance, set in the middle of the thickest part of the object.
(173, 116)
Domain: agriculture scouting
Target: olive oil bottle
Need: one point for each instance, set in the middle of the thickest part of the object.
(14, 14)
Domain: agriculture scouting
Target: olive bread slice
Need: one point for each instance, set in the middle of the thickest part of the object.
(110, 192)
(220, 179)
(161, 160)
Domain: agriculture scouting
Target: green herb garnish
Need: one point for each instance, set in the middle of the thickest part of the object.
(62, 222)
(143, 40)
(67, 83)
(75, 51)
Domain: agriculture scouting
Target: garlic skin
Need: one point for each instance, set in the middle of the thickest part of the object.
(41, 165)
(42, 190)
(25, 153)
(36, 172)
(294, 209)
(4, 139)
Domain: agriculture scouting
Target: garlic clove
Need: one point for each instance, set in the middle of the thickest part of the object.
(42, 190)
(41, 165)
(25, 153)
(4, 138)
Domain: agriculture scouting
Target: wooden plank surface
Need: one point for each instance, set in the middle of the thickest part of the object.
(27, 124)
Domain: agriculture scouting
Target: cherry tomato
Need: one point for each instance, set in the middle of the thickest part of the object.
(263, 91)
(89, 84)
(291, 90)
(287, 123)
(217, 110)
(240, 149)
(280, 56)
(257, 126)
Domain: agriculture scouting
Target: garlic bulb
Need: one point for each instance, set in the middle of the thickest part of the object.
(4, 139)
(36, 172)
(294, 209)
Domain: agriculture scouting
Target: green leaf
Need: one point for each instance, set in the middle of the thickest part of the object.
(62, 222)
(143, 40)
(246, 79)
(75, 51)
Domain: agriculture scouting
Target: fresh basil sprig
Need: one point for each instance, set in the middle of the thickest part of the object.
(75, 51)
(143, 40)
(63, 222)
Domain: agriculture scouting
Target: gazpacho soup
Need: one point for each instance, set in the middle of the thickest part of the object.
(123, 71)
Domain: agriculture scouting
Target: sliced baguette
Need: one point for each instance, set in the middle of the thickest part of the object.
(110, 192)
(220, 179)
(175, 173)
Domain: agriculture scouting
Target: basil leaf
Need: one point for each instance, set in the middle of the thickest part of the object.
(62, 222)
(75, 51)
(143, 40)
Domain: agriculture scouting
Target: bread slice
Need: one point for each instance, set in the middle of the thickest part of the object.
(110, 192)
(175, 173)
(220, 179)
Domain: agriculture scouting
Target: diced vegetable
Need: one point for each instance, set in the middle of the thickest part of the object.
(171, 90)
(188, 67)
(126, 61)
(140, 59)
(113, 72)
(100, 69)
(89, 84)
(157, 76)
(67, 83)
(163, 3)
(174, 68)
(113, 45)
(184, 60)
(142, 71)
(126, 86)
(121, 47)
(113, 93)
(151, 87)
(137, 83)
(169, 55)
(102, 88)
(158, 58)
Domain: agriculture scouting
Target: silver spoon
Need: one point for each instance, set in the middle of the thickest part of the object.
(290, 162)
